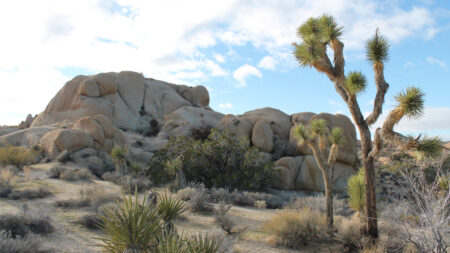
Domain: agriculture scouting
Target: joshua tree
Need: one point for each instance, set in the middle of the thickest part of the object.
(318, 138)
(318, 34)
(118, 155)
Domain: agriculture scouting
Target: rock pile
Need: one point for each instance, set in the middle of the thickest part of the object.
(92, 114)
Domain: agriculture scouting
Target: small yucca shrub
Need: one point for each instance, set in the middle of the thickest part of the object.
(356, 191)
(170, 208)
(204, 244)
(130, 226)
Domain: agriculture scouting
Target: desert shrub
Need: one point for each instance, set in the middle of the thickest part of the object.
(22, 224)
(223, 220)
(219, 195)
(31, 193)
(130, 183)
(29, 243)
(135, 168)
(261, 204)
(186, 193)
(221, 160)
(318, 203)
(94, 196)
(295, 228)
(90, 221)
(70, 174)
(245, 198)
(356, 191)
(6, 179)
(199, 203)
(17, 156)
(350, 233)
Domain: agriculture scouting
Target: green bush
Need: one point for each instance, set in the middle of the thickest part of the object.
(17, 156)
(221, 160)
(356, 191)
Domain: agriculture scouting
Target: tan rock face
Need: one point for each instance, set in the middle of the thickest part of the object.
(262, 136)
(59, 140)
(278, 121)
(240, 126)
(185, 119)
(128, 99)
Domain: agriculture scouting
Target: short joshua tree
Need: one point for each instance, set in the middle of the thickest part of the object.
(325, 147)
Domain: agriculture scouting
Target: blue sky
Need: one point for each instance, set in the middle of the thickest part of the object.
(240, 50)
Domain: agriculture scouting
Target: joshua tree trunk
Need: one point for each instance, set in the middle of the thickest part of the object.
(329, 198)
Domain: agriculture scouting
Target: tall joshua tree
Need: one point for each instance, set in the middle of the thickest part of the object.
(318, 138)
(319, 34)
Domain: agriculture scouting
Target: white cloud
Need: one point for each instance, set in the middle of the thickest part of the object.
(268, 62)
(409, 65)
(219, 58)
(226, 105)
(243, 72)
(432, 60)
(435, 120)
(164, 39)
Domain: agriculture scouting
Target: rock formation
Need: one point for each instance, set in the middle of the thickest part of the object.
(92, 114)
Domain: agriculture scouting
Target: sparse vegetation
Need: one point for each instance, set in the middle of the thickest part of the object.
(25, 223)
(6, 179)
(223, 220)
(17, 156)
(118, 155)
(29, 243)
(318, 203)
(129, 183)
(296, 228)
(70, 174)
(31, 193)
(94, 196)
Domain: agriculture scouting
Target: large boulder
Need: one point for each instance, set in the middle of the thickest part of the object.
(25, 137)
(240, 126)
(347, 151)
(287, 169)
(128, 99)
(262, 136)
(58, 140)
(278, 121)
(186, 119)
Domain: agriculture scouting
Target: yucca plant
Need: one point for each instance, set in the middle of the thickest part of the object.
(204, 243)
(118, 155)
(322, 33)
(170, 208)
(356, 191)
(130, 226)
(325, 147)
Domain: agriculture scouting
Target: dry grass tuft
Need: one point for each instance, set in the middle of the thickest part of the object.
(296, 228)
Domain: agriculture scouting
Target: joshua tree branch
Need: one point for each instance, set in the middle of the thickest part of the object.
(378, 144)
(382, 87)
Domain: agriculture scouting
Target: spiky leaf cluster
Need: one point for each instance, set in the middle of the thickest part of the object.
(316, 34)
(301, 133)
(318, 127)
(356, 191)
(336, 136)
(410, 102)
(430, 147)
(329, 28)
(169, 207)
(377, 49)
(356, 82)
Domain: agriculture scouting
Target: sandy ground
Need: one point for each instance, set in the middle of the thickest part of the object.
(72, 237)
